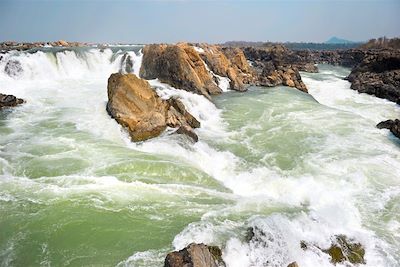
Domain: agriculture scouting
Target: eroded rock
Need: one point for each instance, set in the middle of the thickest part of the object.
(195, 255)
(179, 66)
(137, 107)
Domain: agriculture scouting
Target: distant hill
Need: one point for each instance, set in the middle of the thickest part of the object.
(336, 40)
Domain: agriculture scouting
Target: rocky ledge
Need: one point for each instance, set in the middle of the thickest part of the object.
(378, 74)
(204, 68)
(277, 65)
(392, 125)
(137, 107)
(9, 101)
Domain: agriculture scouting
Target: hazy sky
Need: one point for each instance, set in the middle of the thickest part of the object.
(148, 21)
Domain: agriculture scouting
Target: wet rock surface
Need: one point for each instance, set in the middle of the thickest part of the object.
(137, 107)
(9, 101)
(341, 250)
(392, 125)
(195, 255)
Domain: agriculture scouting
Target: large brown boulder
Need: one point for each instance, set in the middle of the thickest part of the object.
(180, 66)
(137, 107)
(195, 255)
(9, 101)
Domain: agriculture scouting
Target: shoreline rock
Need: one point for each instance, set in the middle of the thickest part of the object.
(9, 101)
(378, 74)
(195, 255)
(137, 107)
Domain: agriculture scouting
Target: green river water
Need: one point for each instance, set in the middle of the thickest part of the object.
(74, 191)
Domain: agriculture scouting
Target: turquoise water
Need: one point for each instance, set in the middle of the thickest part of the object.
(74, 191)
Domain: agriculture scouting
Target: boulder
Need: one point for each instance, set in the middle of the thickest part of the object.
(179, 66)
(195, 255)
(293, 264)
(341, 250)
(9, 101)
(392, 125)
(137, 107)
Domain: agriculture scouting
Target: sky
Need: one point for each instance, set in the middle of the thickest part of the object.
(213, 21)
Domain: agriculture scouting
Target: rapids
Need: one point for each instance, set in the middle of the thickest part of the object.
(75, 191)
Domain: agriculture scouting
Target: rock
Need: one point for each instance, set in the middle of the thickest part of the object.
(137, 107)
(378, 74)
(277, 65)
(126, 64)
(9, 101)
(13, 68)
(342, 250)
(62, 43)
(392, 125)
(293, 264)
(228, 62)
(195, 255)
(179, 66)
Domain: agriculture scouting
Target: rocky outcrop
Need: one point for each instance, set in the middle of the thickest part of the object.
(195, 255)
(137, 107)
(392, 125)
(278, 65)
(378, 74)
(341, 250)
(228, 62)
(9, 101)
(179, 66)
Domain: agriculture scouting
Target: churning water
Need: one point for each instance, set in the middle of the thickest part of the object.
(75, 191)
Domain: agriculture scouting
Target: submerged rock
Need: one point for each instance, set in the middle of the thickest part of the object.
(392, 125)
(9, 101)
(342, 250)
(13, 68)
(195, 255)
(137, 107)
(179, 66)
